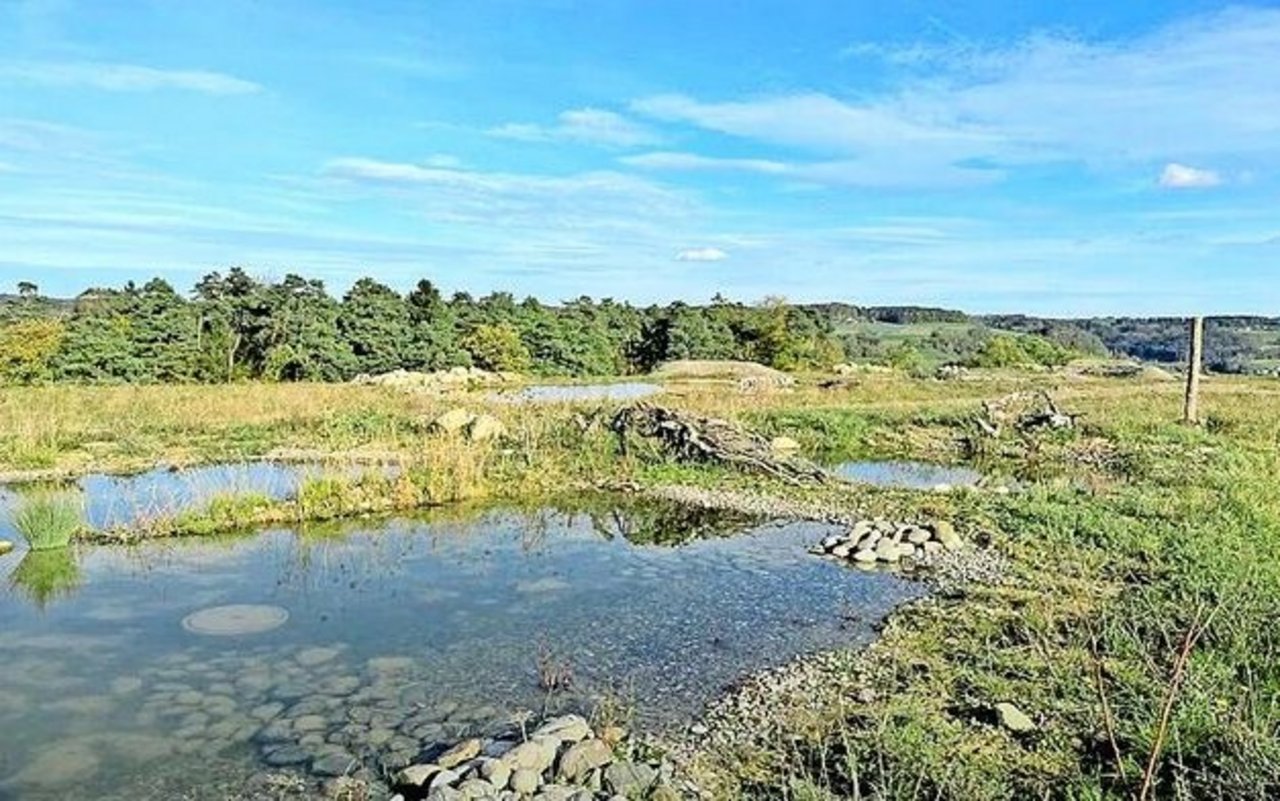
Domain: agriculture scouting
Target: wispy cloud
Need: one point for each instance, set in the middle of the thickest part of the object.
(612, 215)
(122, 78)
(668, 160)
(591, 126)
(887, 173)
(1180, 176)
(1190, 90)
(702, 254)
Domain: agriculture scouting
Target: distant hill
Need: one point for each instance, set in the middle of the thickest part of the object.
(1232, 344)
(1236, 344)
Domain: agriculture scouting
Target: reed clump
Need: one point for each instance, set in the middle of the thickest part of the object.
(48, 520)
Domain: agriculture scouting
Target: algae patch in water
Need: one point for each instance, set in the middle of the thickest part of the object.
(222, 621)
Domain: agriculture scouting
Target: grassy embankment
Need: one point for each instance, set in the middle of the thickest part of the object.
(1136, 628)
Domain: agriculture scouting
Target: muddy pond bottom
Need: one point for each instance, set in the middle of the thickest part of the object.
(187, 669)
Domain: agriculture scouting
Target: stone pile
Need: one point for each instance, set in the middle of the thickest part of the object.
(871, 542)
(561, 760)
(441, 379)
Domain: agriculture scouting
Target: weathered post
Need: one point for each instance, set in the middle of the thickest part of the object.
(1195, 357)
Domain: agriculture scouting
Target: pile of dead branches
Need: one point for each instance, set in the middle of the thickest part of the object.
(1023, 412)
(689, 437)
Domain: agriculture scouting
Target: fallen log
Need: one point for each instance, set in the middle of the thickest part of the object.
(692, 438)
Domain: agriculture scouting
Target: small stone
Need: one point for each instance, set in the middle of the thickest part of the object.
(453, 421)
(932, 546)
(477, 789)
(310, 723)
(486, 427)
(333, 763)
(286, 756)
(525, 781)
(946, 534)
(464, 751)
(380, 737)
(887, 551)
(5, 547)
(582, 758)
(868, 542)
(443, 778)
(494, 772)
(566, 729)
(842, 551)
(918, 536)
(312, 657)
(1014, 719)
(629, 779)
(536, 755)
(832, 541)
(417, 775)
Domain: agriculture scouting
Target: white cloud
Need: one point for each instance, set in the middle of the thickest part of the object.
(957, 116)
(847, 172)
(586, 125)
(667, 160)
(123, 78)
(702, 254)
(1180, 176)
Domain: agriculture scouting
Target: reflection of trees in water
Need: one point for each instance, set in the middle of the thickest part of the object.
(648, 522)
(44, 576)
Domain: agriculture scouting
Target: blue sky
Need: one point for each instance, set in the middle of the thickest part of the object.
(1061, 158)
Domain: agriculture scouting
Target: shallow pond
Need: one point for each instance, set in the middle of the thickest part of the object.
(908, 475)
(381, 642)
(111, 500)
(569, 393)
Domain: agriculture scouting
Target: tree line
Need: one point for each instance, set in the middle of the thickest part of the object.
(233, 326)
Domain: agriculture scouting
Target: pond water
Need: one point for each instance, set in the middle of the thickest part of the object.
(111, 500)
(569, 393)
(379, 643)
(908, 475)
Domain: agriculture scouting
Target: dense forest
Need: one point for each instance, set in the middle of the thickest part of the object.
(233, 326)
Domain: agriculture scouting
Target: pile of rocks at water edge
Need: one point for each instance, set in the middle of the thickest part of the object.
(881, 542)
(561, 760)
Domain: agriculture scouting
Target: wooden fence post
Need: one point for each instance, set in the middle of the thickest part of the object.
(1195, 357)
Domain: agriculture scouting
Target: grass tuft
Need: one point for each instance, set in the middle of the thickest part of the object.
(47, 520)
